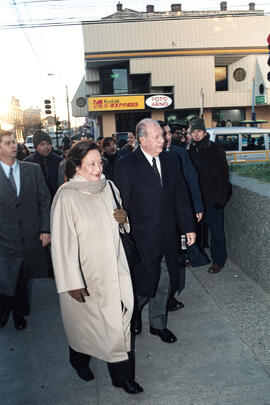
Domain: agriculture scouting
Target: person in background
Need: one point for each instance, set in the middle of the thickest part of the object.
(188, 138)
(61, 168)
(24, 231)
(176, 132)
(93, 279)
(110, 152)
(210, 162)
(46, 158)
(22, 151)
(130, 146)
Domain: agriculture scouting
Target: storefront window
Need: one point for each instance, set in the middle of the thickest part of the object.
(227, 118)
(181, 117)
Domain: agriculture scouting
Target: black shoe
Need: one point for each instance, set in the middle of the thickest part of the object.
(136, 324)
(19, 322)
(131, 387)
(164, 334)
(85, 374)
(4, 316)
(174, 305)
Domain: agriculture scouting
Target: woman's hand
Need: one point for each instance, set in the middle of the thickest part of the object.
(79, 294)
(120, 216)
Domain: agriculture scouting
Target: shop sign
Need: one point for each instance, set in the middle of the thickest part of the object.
(260, 99)
(116, 103)
(159, 101)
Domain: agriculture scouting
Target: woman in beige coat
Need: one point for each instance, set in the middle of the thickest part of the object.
(91, 270)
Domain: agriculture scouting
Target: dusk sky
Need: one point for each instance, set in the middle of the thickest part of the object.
(29, 54)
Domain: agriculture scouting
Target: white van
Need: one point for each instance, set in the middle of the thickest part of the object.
(242, 144)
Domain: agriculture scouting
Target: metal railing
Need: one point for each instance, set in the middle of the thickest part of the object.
(245, 156)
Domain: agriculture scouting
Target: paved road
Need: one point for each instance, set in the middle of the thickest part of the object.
(222, 355)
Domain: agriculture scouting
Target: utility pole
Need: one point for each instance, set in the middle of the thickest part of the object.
(253, 114)
(201, 103)
(67, 98)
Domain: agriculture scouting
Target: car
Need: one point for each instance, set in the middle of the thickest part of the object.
(29, 143)
(242, 144)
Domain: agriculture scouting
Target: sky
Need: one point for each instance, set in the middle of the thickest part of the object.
(39, 61)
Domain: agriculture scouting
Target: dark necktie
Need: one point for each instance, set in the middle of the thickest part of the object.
(156, 170)
(11, 179)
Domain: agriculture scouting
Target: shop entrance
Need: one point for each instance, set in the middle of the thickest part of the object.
(126, 122)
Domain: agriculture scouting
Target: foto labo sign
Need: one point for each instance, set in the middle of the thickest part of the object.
(159, 101)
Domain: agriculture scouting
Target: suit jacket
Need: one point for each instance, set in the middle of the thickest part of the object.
(22, 220)
(50, 170)
(154, 213)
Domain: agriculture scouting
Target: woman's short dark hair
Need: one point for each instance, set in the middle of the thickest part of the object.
(107, 141)
(76, 155)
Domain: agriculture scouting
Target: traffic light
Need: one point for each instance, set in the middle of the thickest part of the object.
(48, 106)
(58, 126)
(268, 41)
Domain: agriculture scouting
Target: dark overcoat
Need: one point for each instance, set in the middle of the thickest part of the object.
(154, 213)
(23, 219)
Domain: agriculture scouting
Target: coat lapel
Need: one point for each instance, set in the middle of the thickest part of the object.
(24, 178)
(145, 168)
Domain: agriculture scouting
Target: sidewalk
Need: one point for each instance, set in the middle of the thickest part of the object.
(222, 355)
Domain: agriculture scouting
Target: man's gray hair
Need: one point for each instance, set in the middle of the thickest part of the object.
(141, 127)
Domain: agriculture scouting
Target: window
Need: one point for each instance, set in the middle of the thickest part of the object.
(253, 142)
(239, 74)
(221, 78)
(228, 142)
(114, 79)
(139, 84)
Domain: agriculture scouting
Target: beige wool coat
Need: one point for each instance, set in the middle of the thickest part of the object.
(87, 252)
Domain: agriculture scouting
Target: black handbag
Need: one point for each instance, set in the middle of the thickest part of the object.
(129, 246)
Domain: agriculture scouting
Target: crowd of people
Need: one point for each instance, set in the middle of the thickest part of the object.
(165, 186)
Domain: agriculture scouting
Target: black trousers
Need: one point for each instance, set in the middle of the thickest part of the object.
(19, 304)
(120, 372)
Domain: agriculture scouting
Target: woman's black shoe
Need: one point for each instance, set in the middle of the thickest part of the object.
(85, 374)
(131, 387)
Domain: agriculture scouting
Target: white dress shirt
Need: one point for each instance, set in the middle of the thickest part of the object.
(16, 173)
(150, 160)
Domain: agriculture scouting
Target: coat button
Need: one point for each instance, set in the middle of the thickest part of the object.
(22, 239)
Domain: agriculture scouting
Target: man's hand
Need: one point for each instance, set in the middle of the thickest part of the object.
(120, 216)
(191, 237)
(199, 216)
(45, 239)
(79, 294)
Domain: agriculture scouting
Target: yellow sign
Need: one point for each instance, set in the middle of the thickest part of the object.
(116, 103)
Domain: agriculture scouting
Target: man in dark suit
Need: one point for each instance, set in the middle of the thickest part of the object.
(191, 178)
(156, 198)
(25, 225)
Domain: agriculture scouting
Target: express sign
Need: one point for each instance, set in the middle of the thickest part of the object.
(159, 101)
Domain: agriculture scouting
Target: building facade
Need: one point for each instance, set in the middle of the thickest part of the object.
(173, 65)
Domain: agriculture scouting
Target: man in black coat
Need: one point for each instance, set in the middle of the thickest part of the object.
(46, 158)
(156, 199)
(210, 161)
(24, 232)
